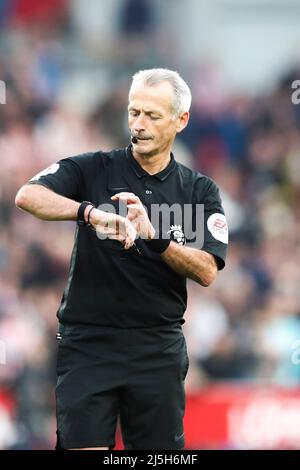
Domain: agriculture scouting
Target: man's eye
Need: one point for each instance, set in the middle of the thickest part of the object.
(133, 113)
(154, 118)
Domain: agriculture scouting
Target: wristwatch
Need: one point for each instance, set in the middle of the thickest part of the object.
(80, 214)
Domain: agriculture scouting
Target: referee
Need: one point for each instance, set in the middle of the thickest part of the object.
(121, 349)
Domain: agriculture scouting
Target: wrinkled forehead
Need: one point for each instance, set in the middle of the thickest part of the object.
(160, 95)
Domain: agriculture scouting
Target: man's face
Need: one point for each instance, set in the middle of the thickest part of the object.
(151, 118)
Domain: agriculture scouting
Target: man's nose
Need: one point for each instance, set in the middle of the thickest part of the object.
(139, 124)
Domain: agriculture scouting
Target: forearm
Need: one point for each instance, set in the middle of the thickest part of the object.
(45, 203)
(191, 262)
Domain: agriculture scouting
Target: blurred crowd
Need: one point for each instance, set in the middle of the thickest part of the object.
(67, 94)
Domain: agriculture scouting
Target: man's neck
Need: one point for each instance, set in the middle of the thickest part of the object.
(153, 164)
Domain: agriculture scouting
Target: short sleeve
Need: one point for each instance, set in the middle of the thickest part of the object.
(65, 177)
(215, 224)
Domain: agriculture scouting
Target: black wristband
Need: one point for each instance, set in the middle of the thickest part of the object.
(80, 214)
(158, 245)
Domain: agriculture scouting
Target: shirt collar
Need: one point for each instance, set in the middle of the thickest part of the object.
(140, 172)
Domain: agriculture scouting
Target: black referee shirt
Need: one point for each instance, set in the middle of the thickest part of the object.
(108, 285)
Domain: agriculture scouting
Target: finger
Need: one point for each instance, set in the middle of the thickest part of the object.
(134, 211)
(129, 242)
(131, 216)
(136, 206)
(126, 197)
(127, 245)
(123, 194)
(131, 232)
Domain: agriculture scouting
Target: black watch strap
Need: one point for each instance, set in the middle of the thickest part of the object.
(80, 213)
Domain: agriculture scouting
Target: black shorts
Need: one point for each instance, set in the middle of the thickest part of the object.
(136, 375)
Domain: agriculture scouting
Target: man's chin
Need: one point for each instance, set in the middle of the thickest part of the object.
(143, 146)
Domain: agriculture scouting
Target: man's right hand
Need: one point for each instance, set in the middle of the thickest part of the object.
(113, 226)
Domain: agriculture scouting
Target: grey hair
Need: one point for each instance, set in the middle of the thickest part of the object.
(182, 92)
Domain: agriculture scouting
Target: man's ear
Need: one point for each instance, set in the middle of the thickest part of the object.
(183, 120)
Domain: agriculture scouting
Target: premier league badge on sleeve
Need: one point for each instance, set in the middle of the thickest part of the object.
(176, 234)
